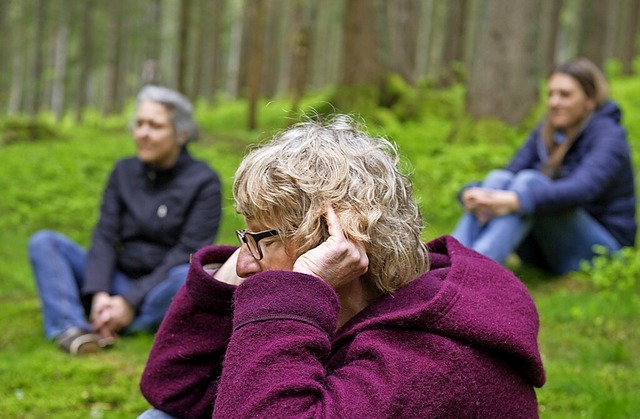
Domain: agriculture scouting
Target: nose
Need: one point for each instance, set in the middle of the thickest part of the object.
(553, 100)
(141, 131)
(246, 265)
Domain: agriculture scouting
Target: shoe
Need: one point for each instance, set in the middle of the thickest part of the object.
(106, 343)
(81, 342)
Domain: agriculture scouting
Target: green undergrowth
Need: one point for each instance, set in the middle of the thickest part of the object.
(589, 327)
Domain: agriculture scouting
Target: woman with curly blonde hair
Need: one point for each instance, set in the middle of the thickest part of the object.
(333, 307)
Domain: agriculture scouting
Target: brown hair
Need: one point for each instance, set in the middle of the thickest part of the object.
(588, 75)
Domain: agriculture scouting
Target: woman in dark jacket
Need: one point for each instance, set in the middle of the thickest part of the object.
(157, 208)
(568, 189)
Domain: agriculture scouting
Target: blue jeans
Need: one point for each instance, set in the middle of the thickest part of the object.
(557, 242)
(155, 414)
(58, 265)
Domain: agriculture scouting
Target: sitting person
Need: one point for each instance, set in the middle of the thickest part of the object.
(569, 188)
(333, 307)
(157, 209)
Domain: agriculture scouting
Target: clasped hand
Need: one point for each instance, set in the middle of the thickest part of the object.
(110, 314)
(486, 204)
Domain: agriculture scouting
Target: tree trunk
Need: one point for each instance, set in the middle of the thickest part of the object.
(454, 43)
(15, 103)
(325, 68)
(502, 82)
(404, 21)
(273, 22)
(216, 52)
(236, 46)
(38, 58)
(199, 62)
(60, 65)
(360, 62)
(593, 33)
(183, 44)
(630, 38)
(151, 66)
(256, 50)
(550, 29)
(301, 52)
(6, 52)
(424, 38)
(114, 55)
(86, 59)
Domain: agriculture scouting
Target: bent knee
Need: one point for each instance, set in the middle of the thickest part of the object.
(529, 177)
(41, 239)
(498, 179)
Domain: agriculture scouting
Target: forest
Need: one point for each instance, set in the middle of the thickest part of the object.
(65, 56)
(456, 84)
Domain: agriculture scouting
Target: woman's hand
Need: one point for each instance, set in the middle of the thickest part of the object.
(100, 313)
(486, 204)
(337, 260)
(110, 314)
(502, 202)
(227, 272)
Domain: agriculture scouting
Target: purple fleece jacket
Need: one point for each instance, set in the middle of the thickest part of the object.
(460, 341)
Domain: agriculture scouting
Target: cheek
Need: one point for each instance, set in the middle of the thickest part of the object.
(165, 140)
(278, 260)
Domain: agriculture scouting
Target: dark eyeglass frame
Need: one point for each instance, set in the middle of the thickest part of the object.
(252, 240)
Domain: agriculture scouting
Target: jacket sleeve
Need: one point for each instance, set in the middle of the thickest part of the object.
(528, 156)
(200, 229)
(280, 362)
(598, 167)
(101, 258)
(182, 372)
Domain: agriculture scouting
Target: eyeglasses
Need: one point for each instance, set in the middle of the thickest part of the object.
(252, 239)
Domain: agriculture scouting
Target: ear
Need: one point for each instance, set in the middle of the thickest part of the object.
(591, 104)
(183, 137)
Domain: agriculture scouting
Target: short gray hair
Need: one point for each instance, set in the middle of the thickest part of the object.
(178, 105)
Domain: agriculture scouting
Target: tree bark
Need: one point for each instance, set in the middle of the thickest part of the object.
(6, 52)
(550, 27)
(593, 33)
(404, 21)
(60, 64)
(216, 52)
(151, 73)
(199, 62)
(630, 38)
(454, 43)
(272, 39)
(256, 10)
(301, 52)
(360, 62)
(86, 59)
(183, 44)
(114, 55)
(236, 46)
(502, 82)
(326, 68)
(38, 58)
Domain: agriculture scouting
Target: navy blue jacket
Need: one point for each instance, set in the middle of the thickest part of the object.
(596, 174)
(150, 221)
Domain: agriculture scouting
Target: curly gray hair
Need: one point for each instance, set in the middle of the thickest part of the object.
(288, 183)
